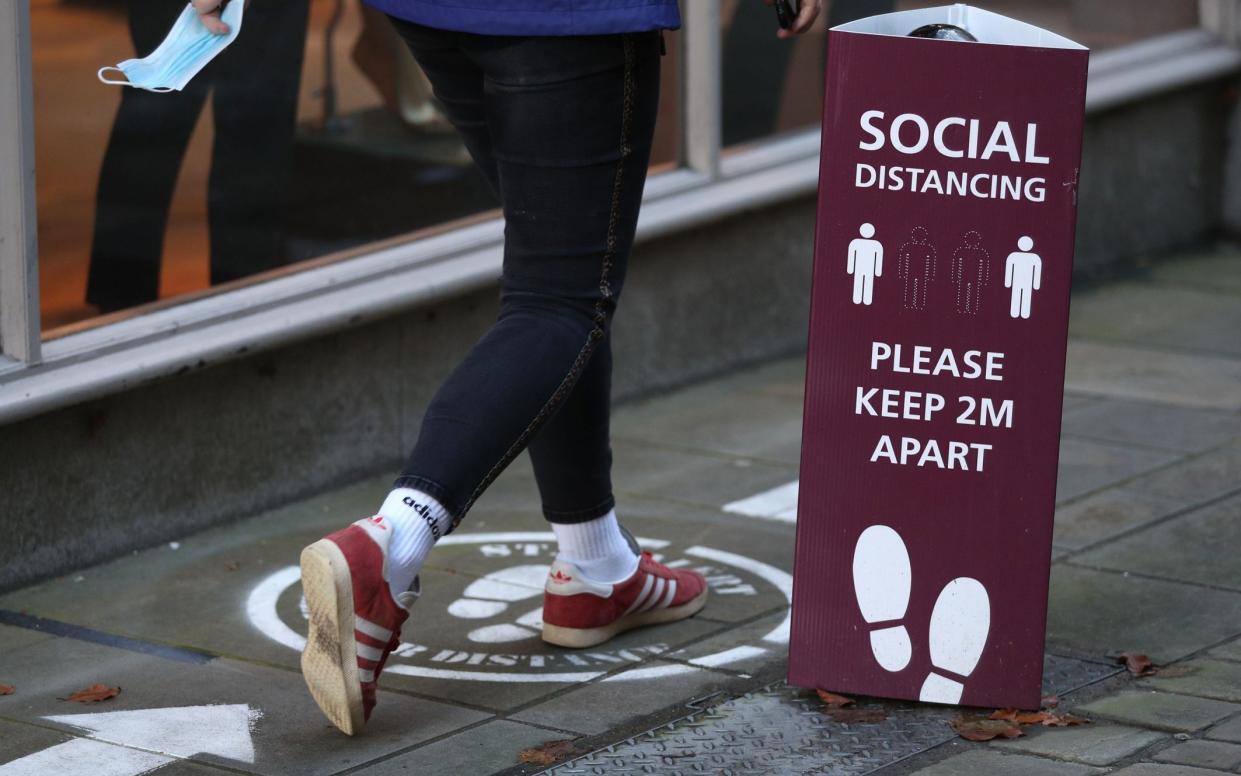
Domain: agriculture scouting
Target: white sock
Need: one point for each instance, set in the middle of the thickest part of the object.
(418, 521)
(598, 548)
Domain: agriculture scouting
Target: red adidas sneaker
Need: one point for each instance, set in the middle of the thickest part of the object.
(578, 612)
(354, 620)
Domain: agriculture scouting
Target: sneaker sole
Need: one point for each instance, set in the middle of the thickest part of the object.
(578, 638)
(330, 660)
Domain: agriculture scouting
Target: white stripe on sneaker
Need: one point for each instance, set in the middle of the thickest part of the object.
(364, 625)
(367, 652)
(646, 588)
(656, 594)
(672, 591)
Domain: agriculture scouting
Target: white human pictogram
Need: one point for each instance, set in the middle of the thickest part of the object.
(882, 580)
(970, 273)
(1023, 273)
(865, 264)
(916, 268)
(960, 621)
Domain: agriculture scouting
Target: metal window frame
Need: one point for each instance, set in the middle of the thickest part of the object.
(396, 276)
(19, 266)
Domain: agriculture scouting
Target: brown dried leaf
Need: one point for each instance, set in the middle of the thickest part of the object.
(832, 700)
(974, 729)
(95, 693)
(548, 753)
(857, 716)
(1137, 663)
(232, 565)
(1019, 717)
(7, 689)
(1050, 701)
(1065, 720)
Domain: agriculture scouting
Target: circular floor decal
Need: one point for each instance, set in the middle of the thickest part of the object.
(486, 628)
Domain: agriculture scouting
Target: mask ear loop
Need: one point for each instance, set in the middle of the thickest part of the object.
(156, 89)
(102, 70)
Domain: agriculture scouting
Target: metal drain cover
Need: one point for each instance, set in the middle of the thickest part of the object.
(781, 730)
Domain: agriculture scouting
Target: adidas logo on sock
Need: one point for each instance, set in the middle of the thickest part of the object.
(425, 513)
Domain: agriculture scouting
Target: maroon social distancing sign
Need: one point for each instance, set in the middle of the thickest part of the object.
(935, 374)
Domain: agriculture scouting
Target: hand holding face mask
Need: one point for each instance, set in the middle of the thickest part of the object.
(195, 39)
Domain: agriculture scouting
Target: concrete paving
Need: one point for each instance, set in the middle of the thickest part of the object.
(203, 635)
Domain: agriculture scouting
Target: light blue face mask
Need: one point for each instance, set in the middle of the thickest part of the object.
(187, 49)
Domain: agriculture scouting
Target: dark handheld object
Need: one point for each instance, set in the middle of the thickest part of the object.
(786, 12)
(943, 32)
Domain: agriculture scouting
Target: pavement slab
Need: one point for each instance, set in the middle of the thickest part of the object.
(1161, 710)
(1097, 744)
(1107, 514)
(737, 422)
(1202, 677)
(1162, 769)
(1203, 754)
(1228, 731)
(1229, 651)
(991, 762)
(1194, 547)
(1104, 612)
(612, 703)
(486, 748)
(1152, 424)
(1157, 314)
(1198, 479)
(1087, 466)
(1146, 374)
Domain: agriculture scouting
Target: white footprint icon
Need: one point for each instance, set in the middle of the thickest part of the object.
(881, 580)
(960, 623)
(491, 595)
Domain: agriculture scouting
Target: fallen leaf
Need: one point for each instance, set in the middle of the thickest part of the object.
(95, 693)
(1065, 720)
(1137, 663)
(7, 689)
(1049, 701)
(974, 729)
(548, 753)
(232, 565)
(1020, 717)
(832, 700)
(857, 716)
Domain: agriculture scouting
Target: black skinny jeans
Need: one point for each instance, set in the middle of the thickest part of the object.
(562, 128)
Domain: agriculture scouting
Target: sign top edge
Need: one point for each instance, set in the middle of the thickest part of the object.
(987, 26)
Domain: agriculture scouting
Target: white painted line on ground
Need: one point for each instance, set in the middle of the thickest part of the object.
(782, 580)
(778, 504)
(83, 757)
(131, 743)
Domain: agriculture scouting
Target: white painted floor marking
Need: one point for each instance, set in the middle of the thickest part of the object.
(83, 757)
(778, 504)
(130, 743)
(261, 611)
(782, 580)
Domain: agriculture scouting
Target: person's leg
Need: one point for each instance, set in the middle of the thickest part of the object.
(139, 172)
(570, 121)
(255, 101)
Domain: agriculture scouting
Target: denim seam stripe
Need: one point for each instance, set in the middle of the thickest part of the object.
(605, 290)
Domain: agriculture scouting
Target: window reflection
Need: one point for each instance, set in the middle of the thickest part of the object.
(313, 134)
